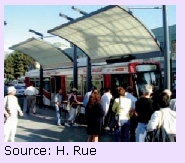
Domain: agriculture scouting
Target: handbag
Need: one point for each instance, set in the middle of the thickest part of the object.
(159, 134)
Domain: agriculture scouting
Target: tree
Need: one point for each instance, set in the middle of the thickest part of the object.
(16, 64)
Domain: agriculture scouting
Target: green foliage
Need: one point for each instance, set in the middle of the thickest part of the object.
(16, 64)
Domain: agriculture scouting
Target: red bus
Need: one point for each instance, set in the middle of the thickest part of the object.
(134, 74)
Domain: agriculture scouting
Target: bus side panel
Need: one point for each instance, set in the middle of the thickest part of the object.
(27, 81)
(63, 86)
(107, 80)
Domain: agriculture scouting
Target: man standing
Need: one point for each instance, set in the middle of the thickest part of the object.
(58, 106)
(31, 93)
(133, 118)
(105, 101)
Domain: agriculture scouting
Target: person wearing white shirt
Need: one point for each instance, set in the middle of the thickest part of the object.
(133, 118)
(172, 101)
(58, 106)
(173, 104)
(31, 93)
(105, 101)
(168, 117)
(11, 109)
(86, 97)
(129, 94)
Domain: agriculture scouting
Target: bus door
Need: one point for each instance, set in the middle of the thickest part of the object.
(55, 83)
(53, 89)
(118, 80)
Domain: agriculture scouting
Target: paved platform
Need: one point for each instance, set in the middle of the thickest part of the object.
(41, 127)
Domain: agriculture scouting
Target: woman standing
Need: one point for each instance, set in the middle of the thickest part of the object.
(73, 110)
(11, 108)
(166, 116)
(94, 115)
(122, 108)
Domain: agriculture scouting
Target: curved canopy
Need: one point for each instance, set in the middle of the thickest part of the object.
(110, 32)
(45, 53)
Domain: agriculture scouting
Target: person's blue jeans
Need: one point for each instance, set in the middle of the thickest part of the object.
(141, 132)
(125, 137)
(57, 109)
(112, 123)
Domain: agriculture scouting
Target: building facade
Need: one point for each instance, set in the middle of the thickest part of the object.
(159, 34)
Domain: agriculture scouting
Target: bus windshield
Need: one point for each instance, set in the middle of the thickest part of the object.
(152, 78)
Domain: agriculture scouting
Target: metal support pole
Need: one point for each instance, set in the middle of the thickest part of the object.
(41, 88)
(88, 78)
(167, 81)
(75, 68)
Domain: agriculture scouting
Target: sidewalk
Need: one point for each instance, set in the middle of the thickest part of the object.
(41, 127)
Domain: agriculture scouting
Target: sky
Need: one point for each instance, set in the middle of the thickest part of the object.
(41, 18)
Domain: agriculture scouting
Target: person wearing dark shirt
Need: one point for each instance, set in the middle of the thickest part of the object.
(94, 117)
(145, 107)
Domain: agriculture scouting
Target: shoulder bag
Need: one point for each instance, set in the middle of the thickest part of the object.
(159, 134)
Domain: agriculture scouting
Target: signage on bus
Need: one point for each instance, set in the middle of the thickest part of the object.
(116, 70)
(140, 68)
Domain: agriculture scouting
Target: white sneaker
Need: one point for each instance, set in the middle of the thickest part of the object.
(67, 124)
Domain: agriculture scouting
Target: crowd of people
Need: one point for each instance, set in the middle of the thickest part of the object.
(130, 117)
(127, 118)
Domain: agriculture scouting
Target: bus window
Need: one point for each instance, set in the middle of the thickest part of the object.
(46, 84)
(152, 78)
(157, 80)
(120, 80)
(37, 83)
(69, 85)
(97, 81)
(147, 78)
(79, 86)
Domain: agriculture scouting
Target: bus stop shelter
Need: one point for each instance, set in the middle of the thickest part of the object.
(43, 52)
(46, 54)
(110, 32)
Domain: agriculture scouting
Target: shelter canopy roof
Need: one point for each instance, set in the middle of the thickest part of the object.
(110, 32)
(43, 52)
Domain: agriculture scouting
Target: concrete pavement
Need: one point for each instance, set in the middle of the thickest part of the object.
(41, 127)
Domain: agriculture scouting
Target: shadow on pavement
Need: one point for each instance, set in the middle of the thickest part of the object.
(42, 128)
